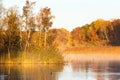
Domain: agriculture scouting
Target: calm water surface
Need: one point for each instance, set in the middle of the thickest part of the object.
(108, 70)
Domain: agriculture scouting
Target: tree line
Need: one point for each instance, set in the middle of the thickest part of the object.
(99, 32)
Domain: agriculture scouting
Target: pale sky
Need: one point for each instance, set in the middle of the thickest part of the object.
(73, 13)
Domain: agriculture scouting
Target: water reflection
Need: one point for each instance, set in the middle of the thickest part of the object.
(29, 72)
(108, 70)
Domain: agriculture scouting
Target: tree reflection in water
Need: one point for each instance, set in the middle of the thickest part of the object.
(30, 72)
(97, 70)
(114, 67)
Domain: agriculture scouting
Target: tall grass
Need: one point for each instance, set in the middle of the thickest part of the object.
(49, 54)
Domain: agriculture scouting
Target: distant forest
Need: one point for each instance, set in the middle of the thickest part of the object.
(98, 33)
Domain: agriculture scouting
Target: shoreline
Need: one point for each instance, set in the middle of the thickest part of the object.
(102, 53)
(93, 50)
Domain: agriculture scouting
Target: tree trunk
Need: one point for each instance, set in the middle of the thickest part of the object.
(9, 58)
(45, 39)
(28, 41)
(9, 45)
(39, 39)
(106, 36)
(25, 44)
(20, 38)
(27, 35)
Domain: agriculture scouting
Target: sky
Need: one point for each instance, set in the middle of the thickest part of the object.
(73, 13)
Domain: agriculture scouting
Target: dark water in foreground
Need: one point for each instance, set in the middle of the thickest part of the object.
(108, 70)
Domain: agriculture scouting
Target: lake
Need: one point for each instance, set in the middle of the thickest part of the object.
(75, 70)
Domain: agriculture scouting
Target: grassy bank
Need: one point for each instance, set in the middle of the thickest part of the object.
(35, 55)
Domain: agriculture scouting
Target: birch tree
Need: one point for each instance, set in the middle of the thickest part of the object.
(45, 21)
(28, 21)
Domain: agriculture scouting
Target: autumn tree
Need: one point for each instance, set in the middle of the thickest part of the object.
(28, 21)
(58, 37)
(1, 15)
(114, 30)
(0, 21)
(11, 33)
(45, 21)
(101, 27)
